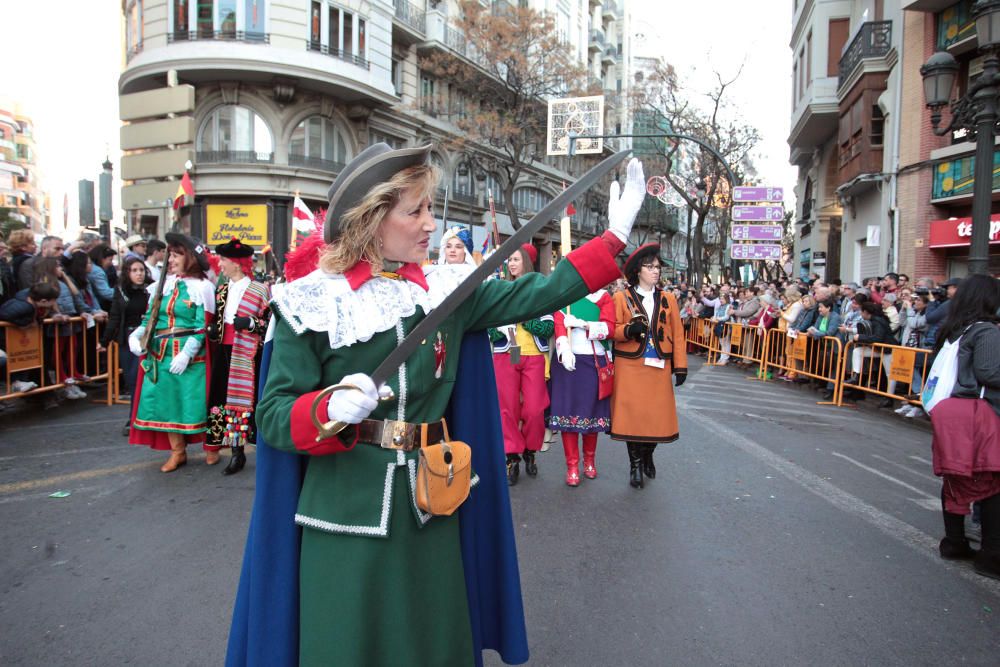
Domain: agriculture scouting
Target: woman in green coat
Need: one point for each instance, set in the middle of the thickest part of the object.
(381, 581)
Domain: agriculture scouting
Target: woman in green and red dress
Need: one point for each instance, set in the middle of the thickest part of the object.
(380, 581)
(172, 406)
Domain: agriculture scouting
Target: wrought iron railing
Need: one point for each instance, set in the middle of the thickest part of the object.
(338, 53)
(234, 157)
(314, 163)
(610, 7)
(872, 41)
(454, 39)
(611, 53)
(409, 14)
(219, 35)
(597, 37)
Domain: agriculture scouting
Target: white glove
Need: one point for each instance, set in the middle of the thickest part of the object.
(135, 341)
(351, 405)
(179, 363)
(564, 354)
(574, 321)
(624, 204)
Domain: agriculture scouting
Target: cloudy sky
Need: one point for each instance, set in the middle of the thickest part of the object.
(67, 75)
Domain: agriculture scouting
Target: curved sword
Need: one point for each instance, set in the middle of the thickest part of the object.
(427, 326)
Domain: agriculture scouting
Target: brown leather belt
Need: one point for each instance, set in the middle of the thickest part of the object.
(176, 332)
(392, 434)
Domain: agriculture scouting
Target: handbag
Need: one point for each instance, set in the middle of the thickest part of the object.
(605, 376)
(444, 476)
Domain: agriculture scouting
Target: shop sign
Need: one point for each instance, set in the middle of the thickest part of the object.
(819, 258)
(247, 223)
(958, 232)
(24, 348)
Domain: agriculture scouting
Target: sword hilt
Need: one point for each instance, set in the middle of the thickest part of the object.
(332, 428)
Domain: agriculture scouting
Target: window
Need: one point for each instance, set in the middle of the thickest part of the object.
(218, 19)
(237, 134)
(379, 137)
(397, 76)
(461, 181)
(495, 187)
(877, 125)
(530, 199)
(795, 83)
(809, 58)
(802, 72)
(133, 26)
(337, 31)
(838, 31)
(427, 101)
(318, 142)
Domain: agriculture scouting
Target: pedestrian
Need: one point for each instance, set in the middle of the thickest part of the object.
(241, 307)
(966, 441)
(51, 246)
(21, 244)
(171, 409)
(873, 329)
(156, 252)
(101, 259)
(128, 306)
(366, 550)
(579, 411)
(456, 247)
(521, 364)
(650, 357)
(136, 247)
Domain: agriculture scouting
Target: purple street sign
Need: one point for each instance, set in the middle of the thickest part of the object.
(749, 194)
(758, 213)
(765, 251)
(757, 232)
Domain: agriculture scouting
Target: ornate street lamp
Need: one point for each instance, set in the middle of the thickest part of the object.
(976, 112)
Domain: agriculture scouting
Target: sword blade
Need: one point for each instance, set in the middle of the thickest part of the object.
(427, 326)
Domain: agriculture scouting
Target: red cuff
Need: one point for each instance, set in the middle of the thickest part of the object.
(595, 260)
(304, 432)
(559, 319)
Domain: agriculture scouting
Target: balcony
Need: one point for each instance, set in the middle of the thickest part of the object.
(314, 163)
(234, 157)
(610, 56)
(596, 40)
(609, 10)
(218, 36)
(410, 19)
(814, 119)
(872, 42)
(133, 52)
(338, 53)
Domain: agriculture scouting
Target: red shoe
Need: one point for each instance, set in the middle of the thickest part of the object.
(572, 451)
(572, 476)
(589, 454)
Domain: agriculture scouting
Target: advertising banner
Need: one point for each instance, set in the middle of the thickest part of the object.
(246, 223)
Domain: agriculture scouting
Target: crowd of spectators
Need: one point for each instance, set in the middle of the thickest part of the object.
(51, 282)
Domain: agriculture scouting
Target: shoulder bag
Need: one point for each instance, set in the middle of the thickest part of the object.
(605, 375)
(444, 475)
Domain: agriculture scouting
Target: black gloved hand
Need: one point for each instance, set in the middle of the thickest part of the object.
(636, 330)
(242, 323)
(679, 378)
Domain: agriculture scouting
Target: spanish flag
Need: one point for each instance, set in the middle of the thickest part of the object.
(185, 189)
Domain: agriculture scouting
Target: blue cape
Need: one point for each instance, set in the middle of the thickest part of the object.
(265, 629)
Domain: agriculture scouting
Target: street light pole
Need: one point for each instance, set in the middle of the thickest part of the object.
(985, 100)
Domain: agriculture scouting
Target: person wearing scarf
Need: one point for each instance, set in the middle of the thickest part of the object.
(242, 305)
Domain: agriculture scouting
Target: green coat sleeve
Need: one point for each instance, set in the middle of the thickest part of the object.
(541, 328)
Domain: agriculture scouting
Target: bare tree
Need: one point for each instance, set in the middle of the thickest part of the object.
(513, 60)
(691, 167)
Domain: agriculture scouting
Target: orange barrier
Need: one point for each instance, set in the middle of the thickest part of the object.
(806, 356)
(700, 332)
(48, 355)
(890, 366)
(738, 341)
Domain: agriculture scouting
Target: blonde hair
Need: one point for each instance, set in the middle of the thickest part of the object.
(20, 239)
(357, 236)
(792, 294)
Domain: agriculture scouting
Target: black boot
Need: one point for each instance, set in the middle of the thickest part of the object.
(955, 545)
(635, 464)
(648, 469)
(126, 429)
(530, 467)
(236, 461)
(987, 562)
(513, 469)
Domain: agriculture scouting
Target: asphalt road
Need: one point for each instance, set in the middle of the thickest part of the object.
(777, 532)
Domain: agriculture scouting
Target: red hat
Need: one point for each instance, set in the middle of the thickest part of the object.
(532, 252)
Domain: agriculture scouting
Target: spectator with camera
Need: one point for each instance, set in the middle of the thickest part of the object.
(937, 315)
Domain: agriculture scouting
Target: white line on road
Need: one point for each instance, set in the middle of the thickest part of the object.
(53, 425)
(899, 530)
(65, 451)
(735, 411)
(921, 460)
(885, 476)
(929, 478)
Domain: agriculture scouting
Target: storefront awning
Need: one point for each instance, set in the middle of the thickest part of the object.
(957, 232)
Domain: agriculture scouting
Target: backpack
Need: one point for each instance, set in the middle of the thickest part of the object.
(943, 374)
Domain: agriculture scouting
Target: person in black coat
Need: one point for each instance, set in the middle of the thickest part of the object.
(128, 306)
(873, 328)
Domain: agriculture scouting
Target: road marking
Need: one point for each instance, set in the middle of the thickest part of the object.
(897, 529)
(885, 476)
(737, 398)
(57, 480)
(736, 407)
(65, 451)
(52, 425)
(929, 478)
(921, 460)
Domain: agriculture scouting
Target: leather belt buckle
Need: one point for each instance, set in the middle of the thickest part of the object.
(398, 435)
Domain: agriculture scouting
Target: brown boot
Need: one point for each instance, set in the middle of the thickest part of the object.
(178, 457)
(211, 458)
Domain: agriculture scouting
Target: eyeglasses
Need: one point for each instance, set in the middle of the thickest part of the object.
(652, 267)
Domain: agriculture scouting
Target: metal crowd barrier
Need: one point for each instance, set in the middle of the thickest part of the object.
(883, 370)
(888, 368)
(45, 353)
(803, 355)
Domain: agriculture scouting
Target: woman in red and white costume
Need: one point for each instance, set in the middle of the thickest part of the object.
(576, 406)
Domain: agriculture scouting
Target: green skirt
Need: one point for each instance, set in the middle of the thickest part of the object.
(396, 601)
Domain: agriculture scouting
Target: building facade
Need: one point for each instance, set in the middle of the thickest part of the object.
(270, 98)
(844, 137)
(20, 192)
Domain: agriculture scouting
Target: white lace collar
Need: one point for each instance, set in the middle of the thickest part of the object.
(325, 302)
